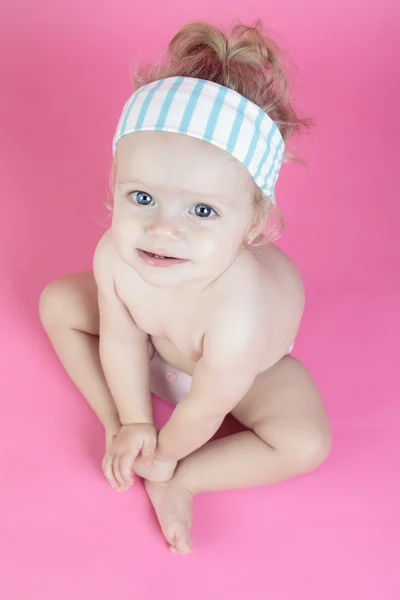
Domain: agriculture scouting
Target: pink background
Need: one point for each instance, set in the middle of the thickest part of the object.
(65, 74)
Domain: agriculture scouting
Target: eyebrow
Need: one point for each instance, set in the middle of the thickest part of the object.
(218, 197)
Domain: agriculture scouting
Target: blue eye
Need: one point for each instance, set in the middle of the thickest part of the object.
(142, 198)
(203, 211)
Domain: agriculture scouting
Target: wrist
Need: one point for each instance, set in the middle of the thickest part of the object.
(135, 410)
(137, 422)
(133, 418)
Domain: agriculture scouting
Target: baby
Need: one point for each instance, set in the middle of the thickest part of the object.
(189, 298)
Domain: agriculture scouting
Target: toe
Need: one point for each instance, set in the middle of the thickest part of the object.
(182, 542)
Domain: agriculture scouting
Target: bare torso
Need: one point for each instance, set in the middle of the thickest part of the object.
(176, 320)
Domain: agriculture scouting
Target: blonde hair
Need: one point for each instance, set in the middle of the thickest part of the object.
(246, 61)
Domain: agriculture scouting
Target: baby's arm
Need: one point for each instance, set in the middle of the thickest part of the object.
(125, 362)
(233, 350)
(123, 346)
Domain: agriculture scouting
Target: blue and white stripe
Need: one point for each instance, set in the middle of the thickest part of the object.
(213, 113)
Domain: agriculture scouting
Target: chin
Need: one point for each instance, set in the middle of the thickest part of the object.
(161, 281)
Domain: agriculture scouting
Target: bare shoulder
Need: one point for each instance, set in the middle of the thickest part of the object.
(279, 272)
(267, 275)
(261, 293)
(107, 264)
(104, 253)
(104, 265)
(233, 301)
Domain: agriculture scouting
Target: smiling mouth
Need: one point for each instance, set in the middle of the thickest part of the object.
(160, 255)
(161, 258)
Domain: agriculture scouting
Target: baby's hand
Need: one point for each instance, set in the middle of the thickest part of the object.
(130, 442)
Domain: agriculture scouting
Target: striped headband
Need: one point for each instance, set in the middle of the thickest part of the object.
(213, 113)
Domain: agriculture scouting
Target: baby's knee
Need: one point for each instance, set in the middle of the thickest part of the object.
(54, 304)
(314, 448)
(50, 303)
(71, 302)
(307, 448)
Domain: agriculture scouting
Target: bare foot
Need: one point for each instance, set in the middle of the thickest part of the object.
(173, 505)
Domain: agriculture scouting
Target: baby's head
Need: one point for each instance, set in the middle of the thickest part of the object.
(196, 163)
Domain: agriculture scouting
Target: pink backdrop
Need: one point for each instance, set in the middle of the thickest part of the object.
(64, 533)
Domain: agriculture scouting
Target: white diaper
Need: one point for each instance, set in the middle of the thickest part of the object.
(167, 381)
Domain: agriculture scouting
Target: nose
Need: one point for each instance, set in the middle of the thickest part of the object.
(162, 229)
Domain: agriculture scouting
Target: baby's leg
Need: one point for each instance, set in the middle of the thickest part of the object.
(69, 313)
(288, 434)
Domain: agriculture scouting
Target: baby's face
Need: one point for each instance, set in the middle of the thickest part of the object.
(176, 196)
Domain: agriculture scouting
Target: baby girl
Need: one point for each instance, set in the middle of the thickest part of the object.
(189, 298)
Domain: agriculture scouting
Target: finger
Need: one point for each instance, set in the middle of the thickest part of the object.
(108, 470)
(126, 468)
(148, 451)
(117, 472)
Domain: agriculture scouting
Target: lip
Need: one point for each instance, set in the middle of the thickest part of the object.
(152, 261)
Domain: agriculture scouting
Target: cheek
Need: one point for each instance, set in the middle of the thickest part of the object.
(205, 247)
(125, 236)
(124, 227)
(218, 245)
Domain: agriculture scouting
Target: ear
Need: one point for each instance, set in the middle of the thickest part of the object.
(257, 225)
